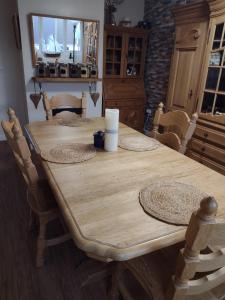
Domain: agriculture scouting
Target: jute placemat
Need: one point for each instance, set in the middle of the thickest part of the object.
(172, 202)
(138, 143)
(69, 153)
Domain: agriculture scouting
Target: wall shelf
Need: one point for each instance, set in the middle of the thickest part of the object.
(66, 80)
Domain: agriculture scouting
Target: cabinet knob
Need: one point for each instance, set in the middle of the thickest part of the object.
(203, 149)
(190, 94)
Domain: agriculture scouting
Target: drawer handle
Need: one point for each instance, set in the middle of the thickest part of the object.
(203, 149)
(206, 135)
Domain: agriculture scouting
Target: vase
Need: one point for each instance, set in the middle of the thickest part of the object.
(109, 15)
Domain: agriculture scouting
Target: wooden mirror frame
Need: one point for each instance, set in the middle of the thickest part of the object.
(31, 30)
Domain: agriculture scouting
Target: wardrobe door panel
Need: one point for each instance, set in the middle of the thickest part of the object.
(186, 66)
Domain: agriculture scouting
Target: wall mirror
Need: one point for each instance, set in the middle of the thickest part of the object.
(69, 40)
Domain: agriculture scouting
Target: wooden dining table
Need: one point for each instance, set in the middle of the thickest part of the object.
(99, 198)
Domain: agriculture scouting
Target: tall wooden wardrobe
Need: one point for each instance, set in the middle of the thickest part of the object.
(197, 77)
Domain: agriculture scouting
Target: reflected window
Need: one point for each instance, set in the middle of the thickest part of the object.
(220, 105)
(52, 35)
(207, 104)
(212, 78)
(216, 58)
(222, 81)
(218, 32)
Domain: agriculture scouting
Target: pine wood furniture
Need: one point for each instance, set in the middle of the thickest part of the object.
(190, 40)
(178, 128)
(39, 194)
(197, 77)
(99, 198)
(123, 84)
(154, 271)
(58, 104)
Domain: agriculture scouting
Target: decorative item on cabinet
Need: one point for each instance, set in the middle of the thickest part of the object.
(41, 70)
(93, 71)
(144, 25)
(53, 70)
(110, 9)
(63, 70)
(74, 70)
(126, 22)
(84, 72)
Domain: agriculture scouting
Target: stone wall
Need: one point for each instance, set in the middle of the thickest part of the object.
(161, 43)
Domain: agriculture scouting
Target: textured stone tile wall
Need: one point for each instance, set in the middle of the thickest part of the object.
(161, 42)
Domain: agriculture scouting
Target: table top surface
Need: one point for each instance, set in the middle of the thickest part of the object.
(99, 198)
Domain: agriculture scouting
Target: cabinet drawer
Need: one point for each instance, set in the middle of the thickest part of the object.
(132, 116)
(123, 102)
(207, 162)
(208, 150)
(124, 88)
(210, 135)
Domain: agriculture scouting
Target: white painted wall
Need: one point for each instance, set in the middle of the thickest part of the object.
(12, 91)
(90, 9)
(132, 9)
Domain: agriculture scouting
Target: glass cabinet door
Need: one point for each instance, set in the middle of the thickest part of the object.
(113, 55)
(134, 57)
(214, 92)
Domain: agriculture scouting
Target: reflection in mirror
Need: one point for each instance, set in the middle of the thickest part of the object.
(220, 105)
(213, 100)
(64, 39)
(207, 103)
(212, 78)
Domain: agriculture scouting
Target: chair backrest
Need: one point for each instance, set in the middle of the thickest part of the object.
(20, 149)
(203, 231)
(61, 102)
(178, 128)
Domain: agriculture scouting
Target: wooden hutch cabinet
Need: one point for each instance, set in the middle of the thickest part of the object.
(123, 84)
(197, 80)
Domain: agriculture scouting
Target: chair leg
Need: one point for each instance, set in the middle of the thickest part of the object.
(114, 289)
(174, 293)
(41, 244)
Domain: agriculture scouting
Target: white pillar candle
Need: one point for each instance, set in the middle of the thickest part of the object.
(111, 129)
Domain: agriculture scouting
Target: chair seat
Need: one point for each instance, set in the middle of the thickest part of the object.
(154, 272)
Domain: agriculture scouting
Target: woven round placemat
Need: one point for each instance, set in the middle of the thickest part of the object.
(138, 143)
(69, 153)
(172, 202)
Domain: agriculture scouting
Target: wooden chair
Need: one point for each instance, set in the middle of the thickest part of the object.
(197, 276)
(64, 106)
(178, 128)
(39, 195)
